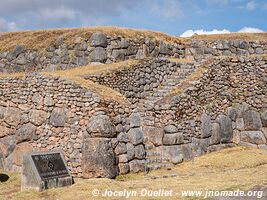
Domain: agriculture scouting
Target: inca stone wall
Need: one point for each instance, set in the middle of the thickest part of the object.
(39, 113)
(98, 48)
(175, 110)
(199, 49)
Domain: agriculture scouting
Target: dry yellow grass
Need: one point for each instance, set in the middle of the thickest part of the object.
(76, 74)
(230, 169)
(40, 39)
(233, 36)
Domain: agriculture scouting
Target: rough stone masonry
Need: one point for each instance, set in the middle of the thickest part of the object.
(176, 110)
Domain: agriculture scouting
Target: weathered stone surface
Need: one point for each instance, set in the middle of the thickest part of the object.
(124, 168)
(240, 124)
(169, 129)
(155, 135)
(140, 151)
(98, 39)
(205, 126)
(122, 137)
(226, 129)
(130, 151)
(199, 146)
(171, 139)
(98, 55)
(135, 120)
(25, 133)
(177, 159)
(101, 126)
(137, 166)
(218, 147)
(120, 149)
(18, 152)
(264, 118)
(177, 151)
(236, 137)
(12, 116)
(215, 136)
(4, 131)
(252, 120)
(123, 158)
(254, 137)
(38, 117)
(135, 136)
(98, 159)
(7, 145)
(232, 113)
(58, 117)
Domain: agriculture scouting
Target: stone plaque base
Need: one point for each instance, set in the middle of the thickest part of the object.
(45, 170)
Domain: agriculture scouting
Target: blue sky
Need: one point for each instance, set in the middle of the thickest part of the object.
(170, 16)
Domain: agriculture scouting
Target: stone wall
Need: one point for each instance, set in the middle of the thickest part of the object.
(39, 113)
(82, 51)
(206, 48)
(140, 80)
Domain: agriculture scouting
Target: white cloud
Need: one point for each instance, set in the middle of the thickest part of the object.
(251, 5)
(167, 8)
(7, 26)
(189, 33)
(250, 30)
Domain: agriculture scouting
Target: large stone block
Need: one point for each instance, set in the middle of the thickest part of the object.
(254, 137)
(18, 152)
(98, 55)
(199, 146)
(58, 117)
(7, 145)
(4, 131)
(252, 120)
(38, 117)
(226, 129)
(169, 129)
(98, 159)
(135, 120)
(137, 166)
(215, 134)
(135, 136)
(155, 135)
(12, 116)
(25, 133)
(205, 125)
(98, 39)
(101, 126)
(264, 118)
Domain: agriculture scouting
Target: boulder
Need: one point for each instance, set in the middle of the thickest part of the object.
(177, 151)
(215, 134)
(169, 129)
(4, 131)
(38, 117)
(98, 55)
(124, 168)
(130, 151)
(205, 125)
(135, 136)
(264, 118)
(232, 113)
(226, 129)
(155, 135)
(101, 126)
(98, 39)
(119, 54)
(98, 159)
(12, 116)
(18, 152)
(135, 120)
(199, 146)
(171, 139)
(25, 133)
(120, 149)
(140, 152)
(254, 137)
(252, 120)
(7, 145)
(137, 166)
(58, 117)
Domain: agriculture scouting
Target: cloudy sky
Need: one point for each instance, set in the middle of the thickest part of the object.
(170, 16)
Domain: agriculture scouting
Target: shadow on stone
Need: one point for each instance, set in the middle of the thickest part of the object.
(4, 177)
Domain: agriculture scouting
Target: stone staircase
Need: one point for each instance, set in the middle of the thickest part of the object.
(154, 157)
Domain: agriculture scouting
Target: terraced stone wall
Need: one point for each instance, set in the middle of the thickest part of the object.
(99, 48)
(200, 49)
(99, 138)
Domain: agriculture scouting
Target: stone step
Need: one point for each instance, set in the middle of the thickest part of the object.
(155, 166)
(151, 153)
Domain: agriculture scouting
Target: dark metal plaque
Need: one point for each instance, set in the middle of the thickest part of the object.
(50, 166)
